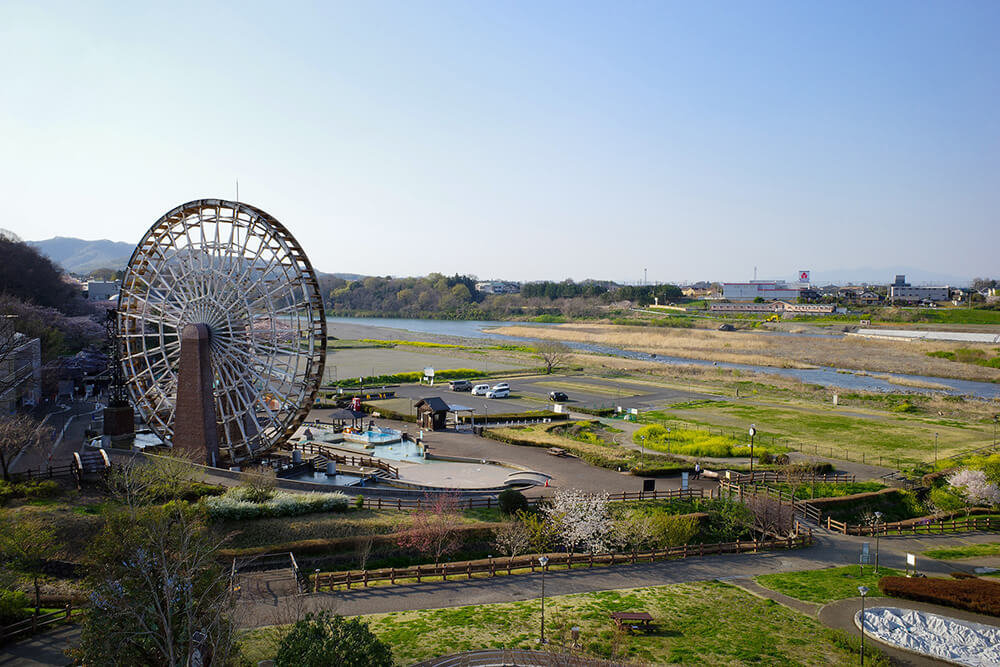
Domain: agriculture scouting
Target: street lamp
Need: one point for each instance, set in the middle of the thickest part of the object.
(543, 561)
(753, 432)
(864, 591)
(878, 517)
(642, 451)
(935, 448)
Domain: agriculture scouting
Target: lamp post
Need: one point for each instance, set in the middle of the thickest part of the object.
(864, 591)
(642, 451)
(935, 448)
(543, 561)
(996, 418)
(753, 432)
(878, 517)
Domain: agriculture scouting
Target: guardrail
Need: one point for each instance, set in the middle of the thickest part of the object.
(493, 567)
(35, 623)
(800, 507)
(984, 523)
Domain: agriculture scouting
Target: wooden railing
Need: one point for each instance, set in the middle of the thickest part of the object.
(493, 567)
(35, 623)
(778, 476)
(508, 656)
(420, 502)
(801, 507)
(46, 472)
(983, 523)
(349, 460)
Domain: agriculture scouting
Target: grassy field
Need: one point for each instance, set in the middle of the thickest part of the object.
(749, 347)
(701, 623)
(970, 551)
(831, 432)
(822, 586)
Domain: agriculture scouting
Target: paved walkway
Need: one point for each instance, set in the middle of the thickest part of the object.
(42, 649)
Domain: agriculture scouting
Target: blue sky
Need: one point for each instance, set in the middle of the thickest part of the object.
(523, 140)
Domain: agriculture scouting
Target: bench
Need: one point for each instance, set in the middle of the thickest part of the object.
(631, 620)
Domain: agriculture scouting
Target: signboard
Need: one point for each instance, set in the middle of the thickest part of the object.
(684, 481)
(911, 560)
(429, 372)
(864, 553)
(803, 276)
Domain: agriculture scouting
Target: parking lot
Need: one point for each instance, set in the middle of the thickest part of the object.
(531, 393)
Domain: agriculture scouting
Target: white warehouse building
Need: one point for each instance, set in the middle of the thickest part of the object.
(769, 290)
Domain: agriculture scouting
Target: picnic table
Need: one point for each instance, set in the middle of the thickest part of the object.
(632, 620)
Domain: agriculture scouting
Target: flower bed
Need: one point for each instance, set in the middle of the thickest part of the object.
(233, 505)
(978, 595)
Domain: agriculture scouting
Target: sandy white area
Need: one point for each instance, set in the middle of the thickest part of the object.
(952, 639)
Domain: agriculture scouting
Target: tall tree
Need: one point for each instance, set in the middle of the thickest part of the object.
(435, 530)
(28, 543)
(553, 354)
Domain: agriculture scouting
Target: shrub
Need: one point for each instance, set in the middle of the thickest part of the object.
(978, 595)
(46, 489)
(359, 502)
(234, 506)
(13, 606)
(512, 501)
(325, 639)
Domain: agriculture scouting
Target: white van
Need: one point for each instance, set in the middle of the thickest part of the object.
(480, 389)
(498, 393)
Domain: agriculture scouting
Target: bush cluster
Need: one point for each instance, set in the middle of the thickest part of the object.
(234, 505)
(44, 489)
(977, 595)
(13, 606)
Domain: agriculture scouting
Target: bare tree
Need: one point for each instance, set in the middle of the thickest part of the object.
(552, 353)
(17, 433)
(770, 517)
(364, 550)
(512, 539)
(632, 532)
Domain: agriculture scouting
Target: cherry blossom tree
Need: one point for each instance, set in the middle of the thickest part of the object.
(581, 518)
(436, 530)
(974, 488)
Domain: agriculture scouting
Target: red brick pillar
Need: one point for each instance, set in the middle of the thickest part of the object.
(195, 428)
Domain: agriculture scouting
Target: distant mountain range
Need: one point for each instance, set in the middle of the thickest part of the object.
(81, 256)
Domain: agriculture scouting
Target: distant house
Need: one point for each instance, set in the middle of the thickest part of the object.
(869, 298)
(100, 290)
(20, 373)
(498, 287)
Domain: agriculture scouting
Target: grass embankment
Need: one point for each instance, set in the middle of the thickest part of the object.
(828, 489)
(830, 432)
(829, 585)
(700, 623)
(599, 452)
(967, 551)
(748, 347)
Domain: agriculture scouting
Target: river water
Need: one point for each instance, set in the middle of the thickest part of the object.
(825, 376)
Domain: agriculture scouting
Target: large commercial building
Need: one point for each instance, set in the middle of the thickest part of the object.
(901, 291)
(769, 290)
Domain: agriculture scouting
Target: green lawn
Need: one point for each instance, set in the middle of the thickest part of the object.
(822, 586)
(969, 551)
(702, 623)
(831, 490)
(889, 435)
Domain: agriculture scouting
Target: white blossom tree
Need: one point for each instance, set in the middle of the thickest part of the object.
(975, 488)
(581, 518)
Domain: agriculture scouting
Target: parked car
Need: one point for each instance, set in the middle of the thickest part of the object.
(460, 385)
(498, 393)
(480, 389)
(558, 396)
(501, 385)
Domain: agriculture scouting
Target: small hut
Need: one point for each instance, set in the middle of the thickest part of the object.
(432, 413)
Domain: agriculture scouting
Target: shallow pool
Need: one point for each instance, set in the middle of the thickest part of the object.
(323, 478)
(377, 436)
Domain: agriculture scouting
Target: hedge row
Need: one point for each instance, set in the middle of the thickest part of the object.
(652, 466)
(979, 595)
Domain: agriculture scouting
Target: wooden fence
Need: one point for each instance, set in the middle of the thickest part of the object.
(356, 461)
(521, 657)
(44, 472)
(981, 523)
(488, 502)
(777, 476)
(30, 626)
(800, 507)
(503, 566)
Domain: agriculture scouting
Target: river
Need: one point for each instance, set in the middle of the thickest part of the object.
(825, 376)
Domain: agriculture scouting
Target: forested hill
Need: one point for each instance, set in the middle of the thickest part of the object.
(455, 297)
